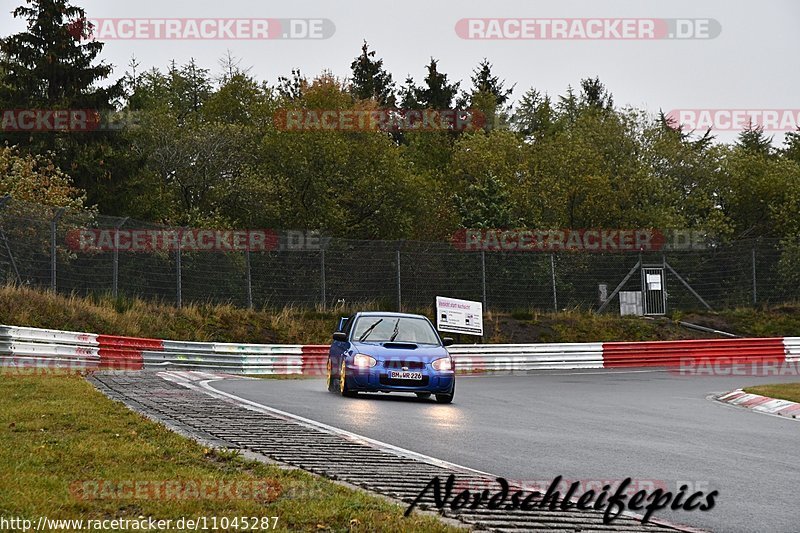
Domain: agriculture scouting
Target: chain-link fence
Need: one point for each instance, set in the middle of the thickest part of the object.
(38, 248)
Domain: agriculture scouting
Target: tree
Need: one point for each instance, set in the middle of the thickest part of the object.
(488, 95)
(49, 66)
(292, 89)
(35, 179)
(436, 93)
(791, 145)
(595, 95)
(753, 140)
(370, 80)
(189, 87)
(483, 81)
(534, 117)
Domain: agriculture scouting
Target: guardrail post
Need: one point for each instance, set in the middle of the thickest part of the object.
(178, 296)
(399, 293)
(115, 274)
(322, 277)
(248, 279)
(53, 227)
(553, 277)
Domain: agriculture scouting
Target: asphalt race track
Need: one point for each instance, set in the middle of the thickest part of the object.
(652, 426)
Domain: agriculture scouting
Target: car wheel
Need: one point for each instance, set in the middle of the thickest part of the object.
(343, 389)
(329, 373)
(447, 398)
(423, 394)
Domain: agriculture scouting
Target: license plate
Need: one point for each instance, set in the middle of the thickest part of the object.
(403, 374)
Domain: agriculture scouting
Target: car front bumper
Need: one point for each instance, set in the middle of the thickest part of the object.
(377, 380)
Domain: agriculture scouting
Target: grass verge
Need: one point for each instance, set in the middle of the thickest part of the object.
(59, 433)
(780, 391)
(20, 306)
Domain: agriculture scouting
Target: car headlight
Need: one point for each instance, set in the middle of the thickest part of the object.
(442, 365)
(362, 360)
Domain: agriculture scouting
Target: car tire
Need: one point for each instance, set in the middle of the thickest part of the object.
(343, 389)
(331, 382)
(447, 398)
(423, 394)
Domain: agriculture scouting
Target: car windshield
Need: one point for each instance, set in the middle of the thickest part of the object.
(394, 329)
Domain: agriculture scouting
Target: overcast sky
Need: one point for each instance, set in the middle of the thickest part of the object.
(751, 64)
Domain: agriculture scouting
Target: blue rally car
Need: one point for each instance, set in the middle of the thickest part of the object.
(390, 352)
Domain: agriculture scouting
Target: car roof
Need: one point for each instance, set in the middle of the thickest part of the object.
(389, 313)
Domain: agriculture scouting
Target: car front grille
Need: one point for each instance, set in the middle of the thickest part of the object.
(398, 364)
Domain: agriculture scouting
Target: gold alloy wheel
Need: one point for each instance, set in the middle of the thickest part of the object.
(330, 377)
(342, 376)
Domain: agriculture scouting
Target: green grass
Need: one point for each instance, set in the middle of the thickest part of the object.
(781, 391)
(58, 431)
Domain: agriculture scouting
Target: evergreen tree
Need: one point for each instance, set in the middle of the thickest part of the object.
(534, 116)
(436, 93)
(483, 81)
(753, 140)
(50, 66)
(370, 80)
(595, 95)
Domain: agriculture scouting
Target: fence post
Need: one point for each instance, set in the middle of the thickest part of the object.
(483, 279)
(248, 279)
(3, 201)
(53, 227)
(179, 295)
(399, 294)
(755, 292)
(553, 277)
(322, 278)
(115, 274)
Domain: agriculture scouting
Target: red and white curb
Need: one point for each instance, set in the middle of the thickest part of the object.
(762, 404)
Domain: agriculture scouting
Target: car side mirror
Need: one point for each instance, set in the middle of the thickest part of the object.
(340, 336)
(448, 341)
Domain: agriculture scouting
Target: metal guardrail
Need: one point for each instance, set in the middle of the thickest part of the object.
(32, 347)
(792, 348)
(687, 352)
(522, 357)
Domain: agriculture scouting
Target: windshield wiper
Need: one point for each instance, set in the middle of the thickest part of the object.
(396, 330)
(366, 333)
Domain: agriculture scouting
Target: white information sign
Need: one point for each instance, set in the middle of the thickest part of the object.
(459, 316)
(654, 282)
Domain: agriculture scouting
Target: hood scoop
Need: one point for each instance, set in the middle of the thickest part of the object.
(400, 345)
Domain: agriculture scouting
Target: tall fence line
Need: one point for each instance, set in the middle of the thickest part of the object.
(37, 249)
